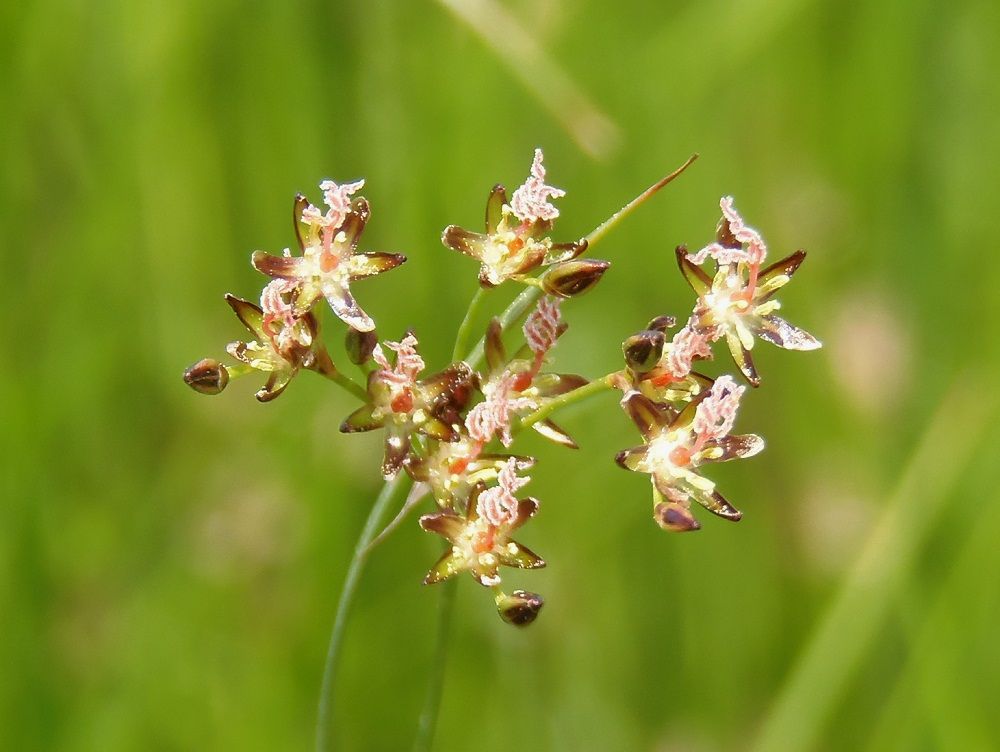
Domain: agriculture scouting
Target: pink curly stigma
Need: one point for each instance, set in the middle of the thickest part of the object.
(541, 330)
(716, 413)
(338, 198)
(530, 201)
(755, 250)
(408, 361)
(720, 253)
(492, 416)
(498, 505)
(273, 305)
(279, 321)
(687, 345)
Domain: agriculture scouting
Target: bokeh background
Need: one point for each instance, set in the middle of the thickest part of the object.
(170, 563)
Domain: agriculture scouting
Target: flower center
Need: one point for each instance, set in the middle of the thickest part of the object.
(402, 402)
(328, 261)
(668, 452)
(484, 540)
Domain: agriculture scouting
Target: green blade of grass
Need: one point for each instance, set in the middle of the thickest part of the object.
(844, 633)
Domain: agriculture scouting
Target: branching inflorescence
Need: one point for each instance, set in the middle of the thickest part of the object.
(450, 430)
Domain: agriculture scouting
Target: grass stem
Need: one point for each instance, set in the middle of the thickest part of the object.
(324, 723)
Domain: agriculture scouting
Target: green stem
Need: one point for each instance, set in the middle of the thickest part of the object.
(389, 492)
(465, 330)
(325, 367)
(432, 702)
(518, 308)
(609, 224)
(348, 384)
(594, 387)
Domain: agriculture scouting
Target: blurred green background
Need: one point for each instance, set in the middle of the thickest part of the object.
(170, 563)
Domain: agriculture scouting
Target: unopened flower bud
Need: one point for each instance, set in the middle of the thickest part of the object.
(643, 350)
(359, 345)
(519, 608)
(571, 278)
(207, 376)
(674, 517)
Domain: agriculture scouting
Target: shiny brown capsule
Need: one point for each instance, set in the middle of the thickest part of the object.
(571, 278)
(643, 350)
(520, 608)
(207, 376)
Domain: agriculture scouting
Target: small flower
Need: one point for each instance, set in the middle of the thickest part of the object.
(402, 404)
(662, 370)
(329, 262)
(284, 342)
(515, 387)
(477, 545)
(450, 469)
(516, 239)
(738, 302)
(677, 444)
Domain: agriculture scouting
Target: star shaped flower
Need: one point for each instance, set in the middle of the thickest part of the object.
(451, 469)
(738, 302)
(678, 444)
(516, 386)
(330, 262)
(516, 239)
(284, 341)
(662, 370)
(403, 405)
(480, 540)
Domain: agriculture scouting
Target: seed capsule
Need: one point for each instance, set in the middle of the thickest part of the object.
(360, 345)
(674, 517)
(519, 608)
(207, 376)
(643, 350)
(572, 278)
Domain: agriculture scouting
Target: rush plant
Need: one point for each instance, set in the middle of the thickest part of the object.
(449, 431)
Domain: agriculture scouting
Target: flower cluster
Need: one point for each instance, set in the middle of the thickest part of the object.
(449, 431)
(517, 242)
(685, 417)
